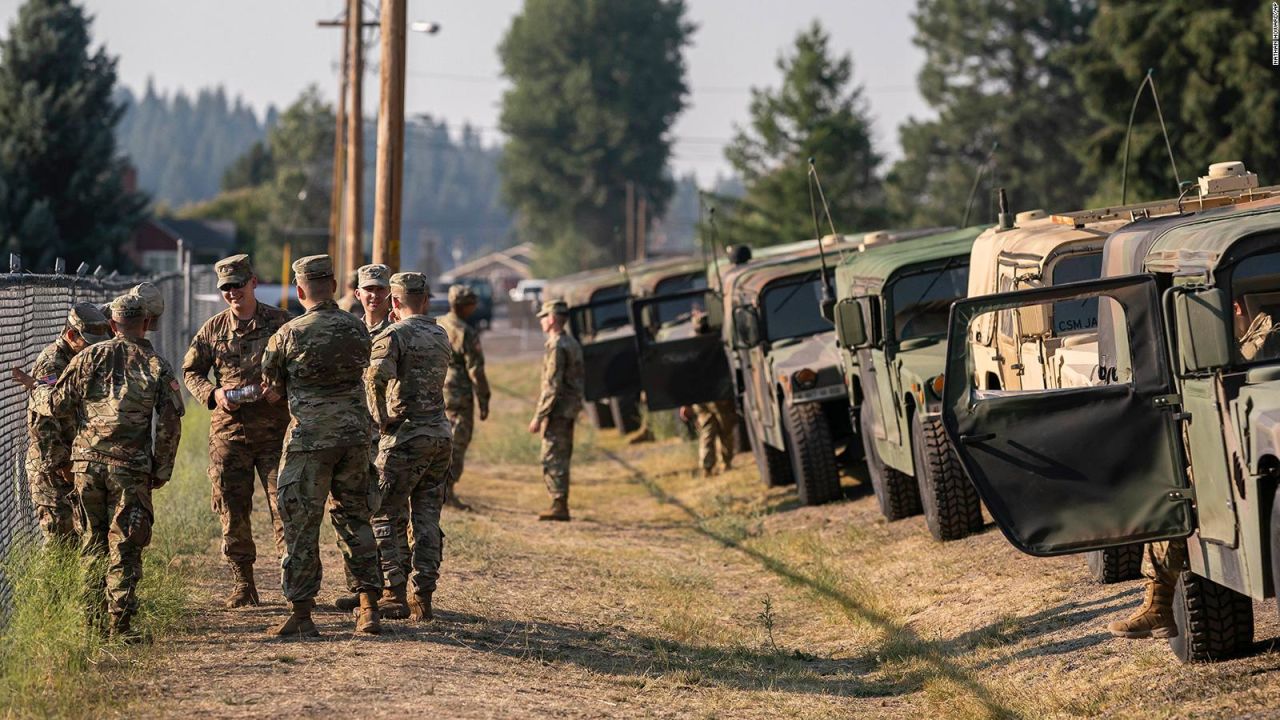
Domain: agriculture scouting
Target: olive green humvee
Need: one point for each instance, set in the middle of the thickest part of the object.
(1180, 438)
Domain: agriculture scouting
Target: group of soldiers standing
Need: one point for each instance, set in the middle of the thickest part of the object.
(380, 410)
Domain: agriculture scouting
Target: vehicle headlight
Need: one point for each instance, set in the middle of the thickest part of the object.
(804, 379)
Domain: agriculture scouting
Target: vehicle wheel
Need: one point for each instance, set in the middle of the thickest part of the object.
(774, 467)
(952, 509)
(897, 492)
(813, 455)
(1214, 621)
(600, 413)
(1116, 564)
(625, 413)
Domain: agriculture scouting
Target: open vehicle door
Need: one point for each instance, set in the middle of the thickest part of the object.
(1074, 469)
(608, 353)
(679, 365)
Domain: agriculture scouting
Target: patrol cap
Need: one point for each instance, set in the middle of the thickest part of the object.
(461, 295)
(152, 300)
(128, 306)
(553, 307)
(89, 321)
(312, 267)
(234, 270)
(409, 283)
(376, 274)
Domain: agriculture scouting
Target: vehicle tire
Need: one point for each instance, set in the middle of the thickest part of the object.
(1214, 621)
(1116, 564)
(813, 454)
(600, 414)
(952, 509)
(774, 467)
(625, 413)
(897, 492)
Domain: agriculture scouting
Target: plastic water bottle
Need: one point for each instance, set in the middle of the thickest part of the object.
(246, 394)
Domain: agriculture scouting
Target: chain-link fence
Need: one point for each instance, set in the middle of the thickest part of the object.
(33, 311)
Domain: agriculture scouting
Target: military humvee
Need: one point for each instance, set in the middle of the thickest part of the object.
(891, 320)
(1180, 437)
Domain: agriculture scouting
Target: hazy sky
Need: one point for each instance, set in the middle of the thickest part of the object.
(268, 50)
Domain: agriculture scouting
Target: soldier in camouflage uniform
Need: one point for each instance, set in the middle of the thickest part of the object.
(317, 360)
(374, 294)
(558, 405)
(405, 383)
(1154, 618)
(49, 447)
(243, 437)
(350, 302)
(716, 420)
(152, 302)
(114, 389)
(466, 385)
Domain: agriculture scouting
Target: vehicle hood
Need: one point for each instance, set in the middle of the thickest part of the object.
(922, 362)
(816, 352)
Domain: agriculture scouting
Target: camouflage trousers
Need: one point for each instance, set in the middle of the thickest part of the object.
(557, 452)
(309, 478)
(1168, 559)
(717, 422)
(463, 422)
(232, 463)
(114, 515)
(412, 477)
(53, 497)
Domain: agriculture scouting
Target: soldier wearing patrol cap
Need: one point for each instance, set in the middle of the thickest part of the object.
(466, 385)
(317, 360)
(374, 292)
(558, 405)
(152, 302)
(122, 395)
(223, 371)
(350, 302)
(49, 450)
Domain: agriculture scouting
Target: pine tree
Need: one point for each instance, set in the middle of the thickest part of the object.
(817, 112)
(61, 182)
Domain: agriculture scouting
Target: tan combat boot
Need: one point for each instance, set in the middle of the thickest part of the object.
(347, 603)
(122, 630)
(393, 605)
(1154, 619)
(559, 511)
(299, 624)
(245, 592)
(367, 615)
(420, 607)
(451, 500)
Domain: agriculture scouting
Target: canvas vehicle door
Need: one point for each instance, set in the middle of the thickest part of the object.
(608, 350)
(1065, 470)
(680, 363)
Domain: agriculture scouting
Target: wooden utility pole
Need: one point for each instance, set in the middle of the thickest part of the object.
(354, 250)
(629, 218)
(337, 197)
(390, 168)
(642, 227)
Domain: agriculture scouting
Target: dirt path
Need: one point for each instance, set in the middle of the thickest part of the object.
(673, 596)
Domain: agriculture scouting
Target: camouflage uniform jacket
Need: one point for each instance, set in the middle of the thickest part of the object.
(233, 351)
(466, 366)
(562, 378)
(405, 381)
(113, 388)
(376, 329)
(317, 360)
(51, 438)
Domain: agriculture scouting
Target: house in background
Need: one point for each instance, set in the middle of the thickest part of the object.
(154, 244)
(503, 269)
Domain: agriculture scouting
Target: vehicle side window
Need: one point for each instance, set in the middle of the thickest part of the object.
(921, 302)
(1255, 295)
(609, 315)
(1076, 316)
(1006, 316)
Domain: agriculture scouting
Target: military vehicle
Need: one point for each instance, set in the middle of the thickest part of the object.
(1179, 438)
(891, 320)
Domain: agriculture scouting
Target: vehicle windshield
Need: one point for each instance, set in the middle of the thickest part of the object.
(922, 302)
(1075, 316)
(610, 314)
(793, 308)
(1255, 291)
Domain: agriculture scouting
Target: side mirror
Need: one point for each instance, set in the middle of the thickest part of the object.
(1203, 318)
(851, 327)
(829, 309)
(746, 327)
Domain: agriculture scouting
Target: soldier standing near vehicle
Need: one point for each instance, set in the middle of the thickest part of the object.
(558, 405)
(49, 449)
(1154, 618)
(245, 433)
(374, 294)
(351, 301)
(114, 389)
(466, 384)
(716, 420)
(405, 385)
(317, 360)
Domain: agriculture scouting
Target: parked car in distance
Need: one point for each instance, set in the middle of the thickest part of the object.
(528, 290)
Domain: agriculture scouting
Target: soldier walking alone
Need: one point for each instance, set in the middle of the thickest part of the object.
(405, 385)
(317, 360)
(245, 433)
(558, 405)
(465, 386)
